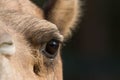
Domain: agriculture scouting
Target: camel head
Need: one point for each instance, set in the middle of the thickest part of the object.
(31, 37)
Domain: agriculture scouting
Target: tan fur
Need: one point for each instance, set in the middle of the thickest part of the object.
(65, 14)
(29, 29)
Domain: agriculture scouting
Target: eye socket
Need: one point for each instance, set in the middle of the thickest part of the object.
(51, 48)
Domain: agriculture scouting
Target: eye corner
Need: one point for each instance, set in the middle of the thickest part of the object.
(59, 37)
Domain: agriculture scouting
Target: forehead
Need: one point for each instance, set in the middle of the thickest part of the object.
(13, 19)
(28, 25)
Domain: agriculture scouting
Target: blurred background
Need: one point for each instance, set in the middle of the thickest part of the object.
(93, 53)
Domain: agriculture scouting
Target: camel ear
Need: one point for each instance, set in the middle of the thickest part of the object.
(63, 13)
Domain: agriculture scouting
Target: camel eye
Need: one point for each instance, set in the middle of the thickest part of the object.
(51, 48)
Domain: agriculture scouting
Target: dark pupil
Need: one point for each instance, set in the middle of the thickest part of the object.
(52, 48)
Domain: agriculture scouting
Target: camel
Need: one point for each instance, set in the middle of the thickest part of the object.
(31, 37)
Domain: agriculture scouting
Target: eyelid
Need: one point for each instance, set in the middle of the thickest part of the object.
(51, 34)
(45, 37)
(56, 36)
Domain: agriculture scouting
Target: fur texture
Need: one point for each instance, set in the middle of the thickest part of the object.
(29, 28)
